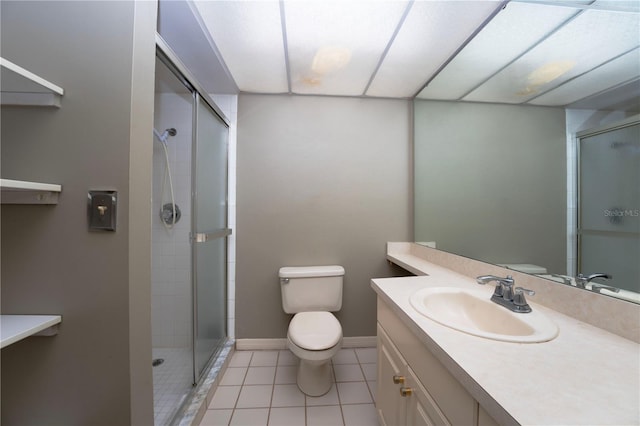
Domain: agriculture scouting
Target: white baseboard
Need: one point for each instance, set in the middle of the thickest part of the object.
(279, 344)
(260, 344)
(359, 342)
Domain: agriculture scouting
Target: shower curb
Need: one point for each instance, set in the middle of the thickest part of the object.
(196, 406)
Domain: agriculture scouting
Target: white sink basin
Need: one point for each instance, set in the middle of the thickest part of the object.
(472, 312)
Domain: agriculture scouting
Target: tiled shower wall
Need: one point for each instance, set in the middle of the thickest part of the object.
(171, 264)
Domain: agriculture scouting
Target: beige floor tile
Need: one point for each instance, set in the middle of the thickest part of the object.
(287, 396)
(286, 374)
(233, 376)
(225, 397)
(373, 388)
(250, 417)
(329, 398)
(216, 418)
(345, 356)
(264, 359)
(348, 373)
(328, 415)
(286, 357)
(360, 415)
(240, 359)
(370, 371)
(287, 416)
(260, 376)
(354, 393)
(258, 396)
(367, 355)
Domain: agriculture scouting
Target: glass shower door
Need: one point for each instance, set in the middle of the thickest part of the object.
(609, 206)
(209, 234)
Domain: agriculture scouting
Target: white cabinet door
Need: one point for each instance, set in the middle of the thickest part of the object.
(422, 409)
(391, 406)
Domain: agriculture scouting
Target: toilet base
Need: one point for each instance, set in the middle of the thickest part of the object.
(314, 377)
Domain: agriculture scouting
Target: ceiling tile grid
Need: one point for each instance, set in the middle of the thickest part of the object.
(529, 51)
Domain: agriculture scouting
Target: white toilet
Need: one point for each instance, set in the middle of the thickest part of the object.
(315, 334)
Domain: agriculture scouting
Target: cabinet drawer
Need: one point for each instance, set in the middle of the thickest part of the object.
(453, 400)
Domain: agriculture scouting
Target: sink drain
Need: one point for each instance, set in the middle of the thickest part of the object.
(156, 362)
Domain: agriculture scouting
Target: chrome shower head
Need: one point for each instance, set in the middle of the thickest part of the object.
(171, 131)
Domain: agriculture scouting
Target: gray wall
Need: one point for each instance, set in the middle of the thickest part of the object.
(97, 369)
(490, 181)
(320, 181)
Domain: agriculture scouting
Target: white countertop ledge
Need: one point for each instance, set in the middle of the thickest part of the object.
(585, 376)
(14, 328)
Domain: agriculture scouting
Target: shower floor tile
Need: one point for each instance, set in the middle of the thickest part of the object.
(172, 381)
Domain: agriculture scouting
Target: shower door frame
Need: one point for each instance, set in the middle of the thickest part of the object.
(166, 55)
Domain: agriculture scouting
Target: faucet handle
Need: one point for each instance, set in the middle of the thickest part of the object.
(518, 296)
(520, 290)
(520, 301)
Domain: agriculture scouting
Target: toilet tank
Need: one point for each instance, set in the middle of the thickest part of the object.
(311, 288)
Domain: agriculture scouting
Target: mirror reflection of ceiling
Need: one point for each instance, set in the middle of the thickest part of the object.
(553, 53)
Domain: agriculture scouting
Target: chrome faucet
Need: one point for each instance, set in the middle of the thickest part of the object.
(505, 295)
(583, 280)
(597, 288)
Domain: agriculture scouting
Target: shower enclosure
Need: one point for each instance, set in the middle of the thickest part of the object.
(609, 203)
(189, 235)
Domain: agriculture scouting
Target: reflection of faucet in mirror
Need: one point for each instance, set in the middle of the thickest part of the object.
(597, 287)
(582, 280)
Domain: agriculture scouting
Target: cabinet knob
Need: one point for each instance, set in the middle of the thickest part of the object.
(406, 391)
(398, 380)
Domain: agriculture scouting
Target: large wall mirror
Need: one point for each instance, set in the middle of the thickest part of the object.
(519, 157)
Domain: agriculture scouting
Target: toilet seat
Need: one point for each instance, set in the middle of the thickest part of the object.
(315, 331)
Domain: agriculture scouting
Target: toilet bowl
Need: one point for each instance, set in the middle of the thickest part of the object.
(314, 337)
(314, 334)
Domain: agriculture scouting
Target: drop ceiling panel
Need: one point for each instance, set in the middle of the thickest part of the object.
(611, 74)
(335, 46)
(586, 42)
(513, 31)
(432, 32)
(626, 5)
(249, 38)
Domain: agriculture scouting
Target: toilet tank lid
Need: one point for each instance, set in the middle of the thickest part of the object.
(311, 271)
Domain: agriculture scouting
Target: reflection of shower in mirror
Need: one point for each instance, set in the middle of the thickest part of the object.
(169, 212)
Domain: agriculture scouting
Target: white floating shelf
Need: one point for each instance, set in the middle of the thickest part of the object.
(14, 328)
(23, 192)
(21, 87)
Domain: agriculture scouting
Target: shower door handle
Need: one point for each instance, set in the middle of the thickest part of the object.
(203, 237)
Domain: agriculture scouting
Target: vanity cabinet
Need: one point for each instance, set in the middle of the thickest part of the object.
(414, 388)
(402, 399)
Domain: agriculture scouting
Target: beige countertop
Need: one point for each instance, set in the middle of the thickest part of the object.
(585, 376)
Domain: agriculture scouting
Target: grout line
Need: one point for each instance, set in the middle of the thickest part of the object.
(273, 386)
